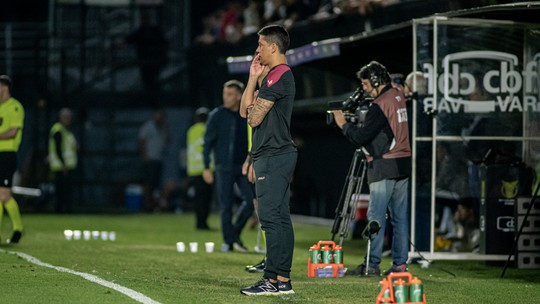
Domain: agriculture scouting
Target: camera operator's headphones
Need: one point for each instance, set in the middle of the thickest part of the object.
(377, 74)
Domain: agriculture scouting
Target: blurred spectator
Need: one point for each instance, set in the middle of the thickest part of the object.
(211, 26)
(239, 18)
(467, 229)
(195, 167)
(274, 10)
(452, 184)
(421, 84)
(151, 47)
(231, 29)
(153, 138)
(63, 159)
(252, 17)
(366, 7)
(398, 81)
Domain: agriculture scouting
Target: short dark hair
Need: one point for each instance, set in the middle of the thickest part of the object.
(234, 84)
(6, 80)
(276, 34)
(375, 72)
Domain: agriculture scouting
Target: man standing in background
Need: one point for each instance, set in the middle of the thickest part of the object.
(195, 168)
(153, 138)
(63, 159)
(226, 138)
(11, 126)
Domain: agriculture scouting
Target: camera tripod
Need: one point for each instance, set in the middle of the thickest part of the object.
(346, 208)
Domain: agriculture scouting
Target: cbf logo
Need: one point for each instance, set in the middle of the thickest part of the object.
(506, 223)
(483, 81)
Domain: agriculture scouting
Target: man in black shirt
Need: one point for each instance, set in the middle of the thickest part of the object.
(226, 138)
(274, 154)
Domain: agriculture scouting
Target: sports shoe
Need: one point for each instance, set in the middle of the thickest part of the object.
(285, 287)
(238, 246)
(400, 268)
(256, 268)
(15, 237)
(361, 271)
(262, 288)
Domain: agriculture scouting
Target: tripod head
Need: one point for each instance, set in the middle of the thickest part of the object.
(372, 228)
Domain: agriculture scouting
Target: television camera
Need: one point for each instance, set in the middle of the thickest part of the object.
(354, 107)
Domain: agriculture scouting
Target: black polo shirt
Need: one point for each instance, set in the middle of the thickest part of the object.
(273, 135)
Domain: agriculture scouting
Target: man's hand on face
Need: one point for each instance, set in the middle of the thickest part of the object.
(256, 69)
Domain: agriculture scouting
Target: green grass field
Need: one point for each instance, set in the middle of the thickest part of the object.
(144, 259)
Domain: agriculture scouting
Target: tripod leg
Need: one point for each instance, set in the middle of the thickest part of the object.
(344, 198)
(354, 190)
(258, 247)
(368, 252)
(346, 210)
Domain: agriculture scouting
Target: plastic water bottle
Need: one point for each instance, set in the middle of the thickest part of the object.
(315, 254)
(326, 255)
(400, 291)
(338, 255)
(386, 294)
(416, 290)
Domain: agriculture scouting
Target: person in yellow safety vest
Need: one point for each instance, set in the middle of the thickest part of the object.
(11, 126)
(195, 167)
(63, 160)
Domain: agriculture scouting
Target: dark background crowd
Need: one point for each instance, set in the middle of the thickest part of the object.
(238, 18)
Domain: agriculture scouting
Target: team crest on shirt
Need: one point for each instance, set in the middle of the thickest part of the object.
(275, 75)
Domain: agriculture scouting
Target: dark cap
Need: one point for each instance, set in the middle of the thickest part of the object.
(201, 114)
(6, 80)
(202, 111)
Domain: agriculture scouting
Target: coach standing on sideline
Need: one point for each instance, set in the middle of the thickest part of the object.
(384, 137)
(274, 154)
(226, 138)
(11, 126)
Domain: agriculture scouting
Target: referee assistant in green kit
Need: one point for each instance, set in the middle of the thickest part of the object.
(11, 125)
(274, 154)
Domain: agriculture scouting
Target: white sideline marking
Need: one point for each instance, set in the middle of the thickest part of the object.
(137, 296)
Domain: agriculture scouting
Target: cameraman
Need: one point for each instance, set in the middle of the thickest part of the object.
(384, 136)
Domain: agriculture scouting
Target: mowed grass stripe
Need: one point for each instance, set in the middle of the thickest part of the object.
(137, 296)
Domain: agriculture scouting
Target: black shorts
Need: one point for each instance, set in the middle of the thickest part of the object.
(8, 165)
